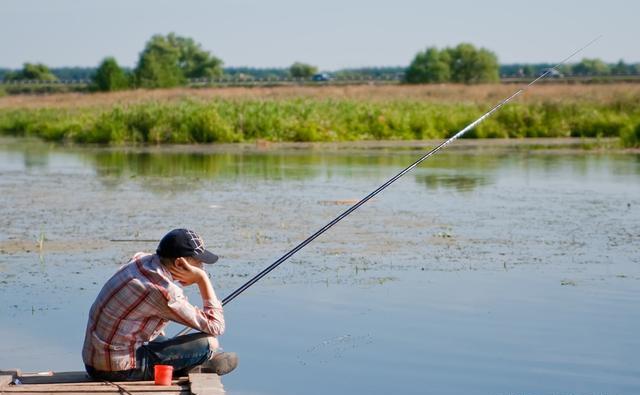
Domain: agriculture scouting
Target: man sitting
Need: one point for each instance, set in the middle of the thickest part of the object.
(124, 338)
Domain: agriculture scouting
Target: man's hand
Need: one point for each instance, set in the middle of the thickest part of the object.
(186, 273)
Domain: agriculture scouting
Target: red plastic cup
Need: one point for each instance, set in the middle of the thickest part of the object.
(162, 374)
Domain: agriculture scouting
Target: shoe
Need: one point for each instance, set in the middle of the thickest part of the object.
(220, 363)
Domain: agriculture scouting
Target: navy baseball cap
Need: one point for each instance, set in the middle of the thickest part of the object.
(184, 243)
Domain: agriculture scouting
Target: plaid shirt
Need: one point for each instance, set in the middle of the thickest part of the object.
(134, 307)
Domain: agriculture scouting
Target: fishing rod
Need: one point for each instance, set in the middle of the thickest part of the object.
(362, 201)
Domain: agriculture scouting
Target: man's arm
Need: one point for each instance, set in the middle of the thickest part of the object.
(211, 318)
(189, 274)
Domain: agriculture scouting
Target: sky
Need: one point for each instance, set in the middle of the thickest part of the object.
(330, 34)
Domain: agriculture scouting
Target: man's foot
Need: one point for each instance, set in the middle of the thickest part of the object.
(220, 363)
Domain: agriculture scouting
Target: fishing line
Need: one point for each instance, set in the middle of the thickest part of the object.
(351, 209)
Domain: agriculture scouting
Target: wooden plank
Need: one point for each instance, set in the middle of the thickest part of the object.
(206, 383)
(183, 381)
(103, 393)
(57, 377)
(97, 387)
(7, 376)
(5, 380)
(74, 383)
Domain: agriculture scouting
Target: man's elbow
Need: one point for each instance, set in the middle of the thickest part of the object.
(216, 328)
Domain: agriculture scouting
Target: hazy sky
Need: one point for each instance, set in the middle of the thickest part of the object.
(329, 33)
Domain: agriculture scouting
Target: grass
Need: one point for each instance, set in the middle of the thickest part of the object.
(324, 114)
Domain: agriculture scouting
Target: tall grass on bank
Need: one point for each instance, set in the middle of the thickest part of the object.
(306, 119)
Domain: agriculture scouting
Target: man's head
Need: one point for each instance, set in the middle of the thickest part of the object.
(184, 243)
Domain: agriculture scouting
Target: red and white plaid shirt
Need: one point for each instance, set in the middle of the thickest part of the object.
(134, 307)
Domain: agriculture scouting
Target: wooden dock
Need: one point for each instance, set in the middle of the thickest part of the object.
(15, 382)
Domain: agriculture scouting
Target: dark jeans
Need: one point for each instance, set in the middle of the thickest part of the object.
(183, 353)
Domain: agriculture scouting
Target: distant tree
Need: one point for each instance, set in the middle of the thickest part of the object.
(158, 66)
(522, 69)
(302, 70)
(110, 77)
(31, 71)
(387, 72)
(73, 73)
(470, 65)
(528, 70)
(591, 67)
(621, 68)
(431, 65)
(194, 61)
(168, 61)
(256, 72)
(463, 63)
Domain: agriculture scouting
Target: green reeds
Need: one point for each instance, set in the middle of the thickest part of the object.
(307, 119)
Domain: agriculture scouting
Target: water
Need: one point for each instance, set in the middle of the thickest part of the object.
(485, 271)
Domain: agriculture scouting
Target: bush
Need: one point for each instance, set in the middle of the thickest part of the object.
(630, 136)
(110, 77)
(463, 63)
(306, 119)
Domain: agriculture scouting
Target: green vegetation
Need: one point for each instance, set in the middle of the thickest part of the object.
(389, 73)
(227, 120)
(463, 63)
(73, 73)
(110, 77)
(593, 67)
(31, 71)
(302, 70)
(168, 61)
(431, 65)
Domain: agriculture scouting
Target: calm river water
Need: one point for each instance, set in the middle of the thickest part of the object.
(501, 270)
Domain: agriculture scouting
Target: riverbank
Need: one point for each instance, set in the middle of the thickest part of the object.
(184, 116)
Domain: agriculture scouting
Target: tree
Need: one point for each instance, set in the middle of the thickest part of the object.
(73, 73)
(470, 65)
(194, 61)
(31, 71)
(621, 68)
(169, 61)
(110, 77)
(302, 70)
(463, 63)
(528, 70)
(591, 67)
(431, 65)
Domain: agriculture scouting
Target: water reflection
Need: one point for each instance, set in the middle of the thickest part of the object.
(284, 165)
(36, 158)
(211, 166)
(459, 182)
(472, 169)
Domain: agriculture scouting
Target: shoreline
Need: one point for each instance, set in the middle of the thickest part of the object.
(534, 144)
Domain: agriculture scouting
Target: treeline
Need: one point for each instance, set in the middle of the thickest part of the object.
(172, 60)
(241, 72)
(468, 64)
(586, 67)
(165, 61)
(60, 73)
(392, 72)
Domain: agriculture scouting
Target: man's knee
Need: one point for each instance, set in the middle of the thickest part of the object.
(213, 343)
